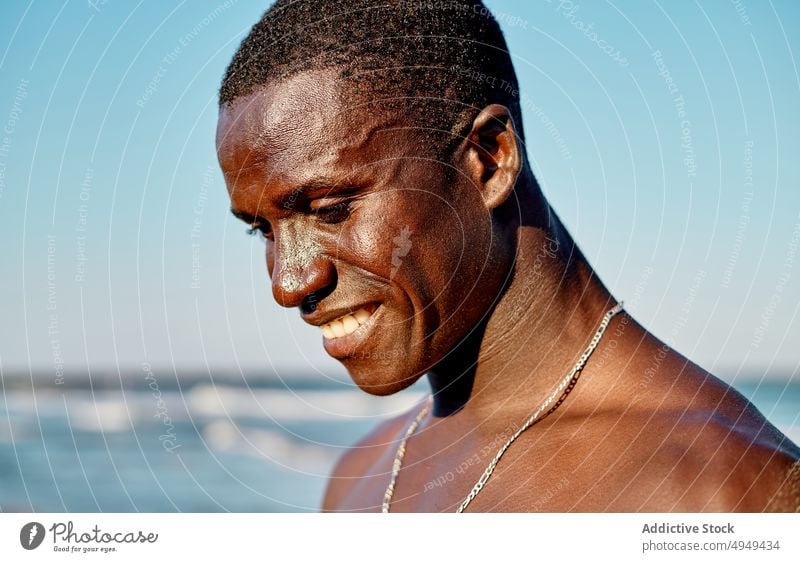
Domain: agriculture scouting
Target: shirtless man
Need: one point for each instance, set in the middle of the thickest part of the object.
(379, 151)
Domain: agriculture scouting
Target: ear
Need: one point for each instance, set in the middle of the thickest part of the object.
(492, 155)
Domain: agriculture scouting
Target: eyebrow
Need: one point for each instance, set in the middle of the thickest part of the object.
(290, 199)
(246, 217)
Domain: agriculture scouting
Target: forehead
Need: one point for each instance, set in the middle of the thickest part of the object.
(296, 129)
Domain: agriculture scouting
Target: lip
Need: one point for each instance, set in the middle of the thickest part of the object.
(346, 346)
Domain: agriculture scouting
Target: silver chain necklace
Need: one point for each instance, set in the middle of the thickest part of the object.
(561, 391)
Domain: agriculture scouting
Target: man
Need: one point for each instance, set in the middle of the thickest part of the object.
(378, 148)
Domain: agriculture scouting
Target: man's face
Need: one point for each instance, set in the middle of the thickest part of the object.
(369, 236)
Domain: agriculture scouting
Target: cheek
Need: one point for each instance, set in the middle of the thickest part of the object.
(364, 241)
(414, 238)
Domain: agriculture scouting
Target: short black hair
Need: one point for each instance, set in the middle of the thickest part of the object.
(440, 61)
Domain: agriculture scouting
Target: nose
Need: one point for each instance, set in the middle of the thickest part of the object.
(299, 270)
(291, 287)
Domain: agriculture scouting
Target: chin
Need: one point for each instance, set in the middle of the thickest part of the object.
(381, 379)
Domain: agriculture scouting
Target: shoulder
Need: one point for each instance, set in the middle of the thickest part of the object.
(363, 463)
(680, 439)
(787, 496)
(717, 452)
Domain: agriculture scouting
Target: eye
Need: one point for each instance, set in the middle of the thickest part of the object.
(331, 214)
(262, 231)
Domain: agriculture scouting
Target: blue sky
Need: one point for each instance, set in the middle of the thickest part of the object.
(664, 134)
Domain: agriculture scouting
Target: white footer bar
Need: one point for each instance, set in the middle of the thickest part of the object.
(396, 537)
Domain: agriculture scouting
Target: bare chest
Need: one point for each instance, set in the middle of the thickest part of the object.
(552, 470)
(441, 483)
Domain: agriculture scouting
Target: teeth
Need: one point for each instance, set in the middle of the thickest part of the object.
(345, 325)
(350, 324)
(337, 329)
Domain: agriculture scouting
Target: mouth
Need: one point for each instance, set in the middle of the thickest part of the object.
(342, 336)
(348, 323)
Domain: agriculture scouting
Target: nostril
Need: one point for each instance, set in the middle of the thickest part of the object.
(309, 303)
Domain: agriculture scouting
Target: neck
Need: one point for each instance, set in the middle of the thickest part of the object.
(542, 323)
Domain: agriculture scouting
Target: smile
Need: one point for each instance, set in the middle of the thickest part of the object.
(347, 324)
